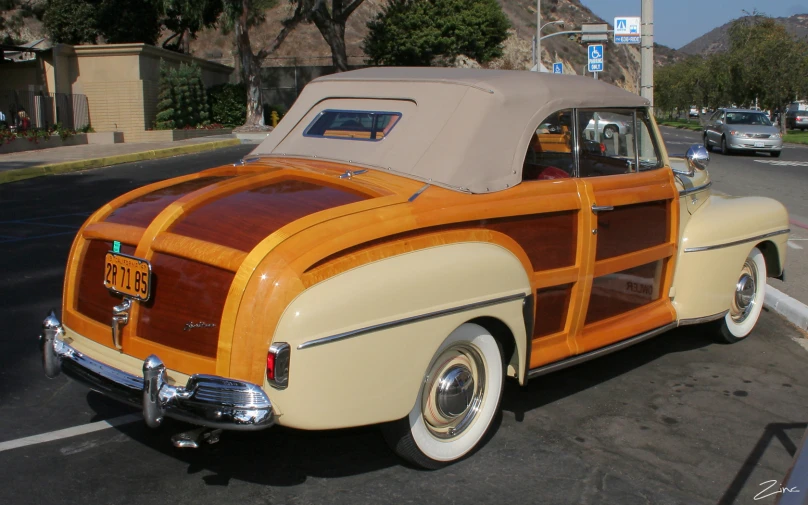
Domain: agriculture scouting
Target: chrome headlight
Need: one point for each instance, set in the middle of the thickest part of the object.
(775, 135)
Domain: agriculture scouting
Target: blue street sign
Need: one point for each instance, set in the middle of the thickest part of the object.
(627, 30)
(558, 68)
(595, 62)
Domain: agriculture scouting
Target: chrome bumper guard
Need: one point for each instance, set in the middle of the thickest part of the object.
(206, 400)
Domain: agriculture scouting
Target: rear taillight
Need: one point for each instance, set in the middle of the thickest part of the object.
(278, 365)
(602, 148)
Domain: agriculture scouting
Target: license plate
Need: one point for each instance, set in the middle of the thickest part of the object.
(759, 144)
(127, 275)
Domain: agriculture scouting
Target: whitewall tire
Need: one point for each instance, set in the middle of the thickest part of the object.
(747, 300)
(458, 400)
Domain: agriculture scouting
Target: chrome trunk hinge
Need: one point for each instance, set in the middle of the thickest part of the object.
(120, 317)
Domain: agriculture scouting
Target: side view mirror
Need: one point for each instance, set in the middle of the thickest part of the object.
(697, 158)
(719, 122)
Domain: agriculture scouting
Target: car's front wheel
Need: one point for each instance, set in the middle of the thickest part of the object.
(747, 301)
(776, 154)
(707, 144)
(609, 131)
(457, 402)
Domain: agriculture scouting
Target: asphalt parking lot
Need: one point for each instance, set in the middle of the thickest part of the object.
(675, 420)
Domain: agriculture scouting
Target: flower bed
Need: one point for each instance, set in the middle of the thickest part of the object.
(29, 140)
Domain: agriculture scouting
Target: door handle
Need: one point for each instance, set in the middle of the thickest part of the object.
(602, 208)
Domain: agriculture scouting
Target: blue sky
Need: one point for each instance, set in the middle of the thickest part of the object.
(677, 22)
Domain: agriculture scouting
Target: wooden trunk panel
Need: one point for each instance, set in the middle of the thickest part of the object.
(143, 209)
(184, 291)
(241, 220)
(94, 300)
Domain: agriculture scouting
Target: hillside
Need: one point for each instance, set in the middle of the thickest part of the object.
(305, 46)
(717, 40)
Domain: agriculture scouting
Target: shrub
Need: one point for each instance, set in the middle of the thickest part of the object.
(182, 101)
(228, 104)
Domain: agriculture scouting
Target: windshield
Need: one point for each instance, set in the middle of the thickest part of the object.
(751, 118)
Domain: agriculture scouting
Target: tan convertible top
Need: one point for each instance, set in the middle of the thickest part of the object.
(466, 129)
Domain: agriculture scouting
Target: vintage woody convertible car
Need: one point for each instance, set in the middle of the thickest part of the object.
(402, 242)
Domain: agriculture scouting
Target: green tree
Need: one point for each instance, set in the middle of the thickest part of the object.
(419, 32)
(184, 18)
(71, 21)
(118, 21)
(766, 63)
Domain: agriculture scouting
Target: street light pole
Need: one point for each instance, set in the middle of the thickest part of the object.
(538, 35)
(647, 51)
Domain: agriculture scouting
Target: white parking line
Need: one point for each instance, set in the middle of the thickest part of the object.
(69, 432)
(785, 163)
(793, 246)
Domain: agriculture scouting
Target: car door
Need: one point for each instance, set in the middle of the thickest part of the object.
(632, 227)
(712, 126)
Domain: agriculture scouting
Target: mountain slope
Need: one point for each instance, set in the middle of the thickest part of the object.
(305, 46)
(717, 40)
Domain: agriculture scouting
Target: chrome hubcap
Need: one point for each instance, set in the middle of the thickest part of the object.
(453, 391)
(745, 291)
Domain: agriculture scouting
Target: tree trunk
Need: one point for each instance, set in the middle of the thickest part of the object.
(334, 33)
(250, 69)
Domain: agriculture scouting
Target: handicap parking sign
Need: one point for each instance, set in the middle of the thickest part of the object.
(595, 63)
(558, 68)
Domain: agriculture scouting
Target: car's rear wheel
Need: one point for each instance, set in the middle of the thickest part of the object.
(747, 301)
(456, 404)
(609, 131)
(724, 147)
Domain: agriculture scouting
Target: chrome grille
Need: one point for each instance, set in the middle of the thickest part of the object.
(761, 136)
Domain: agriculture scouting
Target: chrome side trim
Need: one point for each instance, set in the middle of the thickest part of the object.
(409, 320)
(418, 193)
(700, 320)
(685, 192)
(737, 242)
(574, 360)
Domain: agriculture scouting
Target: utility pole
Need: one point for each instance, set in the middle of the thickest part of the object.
(538, 35)
(647, 51)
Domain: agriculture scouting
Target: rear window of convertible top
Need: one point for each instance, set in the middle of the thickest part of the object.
(352, 124)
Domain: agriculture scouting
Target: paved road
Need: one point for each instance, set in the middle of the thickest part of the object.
(784, 179)
(675, 420)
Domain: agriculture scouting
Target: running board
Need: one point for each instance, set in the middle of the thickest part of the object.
(603, 351)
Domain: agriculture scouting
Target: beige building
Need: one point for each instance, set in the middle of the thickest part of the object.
(120, 81)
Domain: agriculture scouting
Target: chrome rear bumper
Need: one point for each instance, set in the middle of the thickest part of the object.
(206, 400)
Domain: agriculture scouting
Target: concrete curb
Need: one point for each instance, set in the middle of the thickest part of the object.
(792, 309)
(74, 166)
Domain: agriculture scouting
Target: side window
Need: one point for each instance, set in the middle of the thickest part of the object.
(549, 154)
(617, 141)
(716, 116)
(605, 142)
(647, 147)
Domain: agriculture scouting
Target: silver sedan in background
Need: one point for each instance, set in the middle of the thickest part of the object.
(742, 130)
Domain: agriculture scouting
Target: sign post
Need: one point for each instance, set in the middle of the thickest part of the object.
(558, 68)
(595, 60)
(627, 30)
